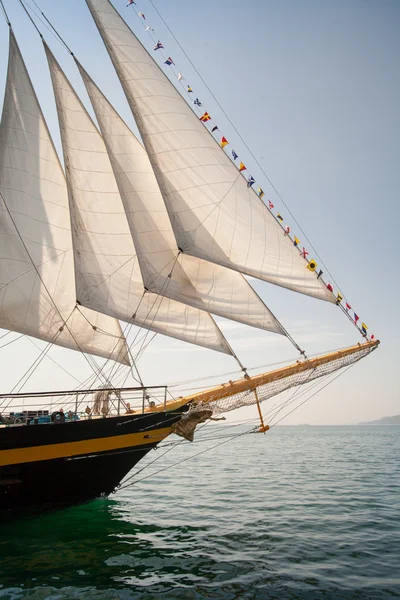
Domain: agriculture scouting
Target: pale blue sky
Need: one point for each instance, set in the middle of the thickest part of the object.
(313, 86)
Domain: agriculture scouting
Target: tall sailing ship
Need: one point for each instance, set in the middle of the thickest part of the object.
(159, 236)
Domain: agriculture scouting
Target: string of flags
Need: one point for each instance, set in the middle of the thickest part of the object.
(223, 142)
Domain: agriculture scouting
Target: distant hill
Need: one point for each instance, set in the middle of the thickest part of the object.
(395, 420)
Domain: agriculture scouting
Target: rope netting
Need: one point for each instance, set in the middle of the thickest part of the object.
(277, 385)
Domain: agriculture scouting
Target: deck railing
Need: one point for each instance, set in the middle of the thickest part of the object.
(40, 407)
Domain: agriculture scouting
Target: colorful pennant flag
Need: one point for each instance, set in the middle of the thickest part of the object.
(296, 241)
(339, 298)
(270, 205)
(279, 216)
(224, 142)
(304, 253)
(312, 265)
(169, 61)
(148, 28)
(348, 307)
(189, 89)
(372, 337)
(356, 318)
(287, 230)
(214, 128)
(131, 2)
(235, 156)
(260, 193)
(206, 117)
(180, 76)
(142, 15)
(197, 102)
(320, 273)
(251, 181)
(329, 286)
(158, 45)
(364, 328)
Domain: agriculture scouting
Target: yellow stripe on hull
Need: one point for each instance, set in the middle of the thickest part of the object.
(69, 449)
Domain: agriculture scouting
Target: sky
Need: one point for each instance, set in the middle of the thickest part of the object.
(313, 87)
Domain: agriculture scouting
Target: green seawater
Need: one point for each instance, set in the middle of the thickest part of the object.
(298, 513)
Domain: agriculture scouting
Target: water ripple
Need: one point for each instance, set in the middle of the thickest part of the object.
(302, 513)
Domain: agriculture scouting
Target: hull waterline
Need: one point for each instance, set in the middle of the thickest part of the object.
(45, 467)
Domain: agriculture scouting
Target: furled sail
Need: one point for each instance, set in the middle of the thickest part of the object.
(214, 214)
(165, 271)
(37, 286)
(107, 271)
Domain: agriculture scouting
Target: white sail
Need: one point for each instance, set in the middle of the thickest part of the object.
(107, 270)
(165, 271)
(37, 286)
(214, 215)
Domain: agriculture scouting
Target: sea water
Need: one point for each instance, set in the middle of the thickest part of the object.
(301, 512)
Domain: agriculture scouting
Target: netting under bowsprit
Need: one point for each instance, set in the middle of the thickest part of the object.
(278, 384)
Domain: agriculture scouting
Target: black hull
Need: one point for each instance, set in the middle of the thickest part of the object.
(75, 462)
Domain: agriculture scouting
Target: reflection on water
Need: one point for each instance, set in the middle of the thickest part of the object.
(301, 513)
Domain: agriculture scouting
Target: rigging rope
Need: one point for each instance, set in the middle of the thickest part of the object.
(187, 459)
(90, 360)
(292, 397)
(54, 30)
(12, 341)
(5, 13)
(317, 392)
(28, 374)
(55, 362)
(230, 438)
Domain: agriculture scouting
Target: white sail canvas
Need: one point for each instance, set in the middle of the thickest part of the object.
(107, 271)
(214, 215)
(191, 280)
(37, 284)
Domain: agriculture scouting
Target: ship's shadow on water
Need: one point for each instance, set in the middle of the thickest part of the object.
(305, 514)
(98, 551)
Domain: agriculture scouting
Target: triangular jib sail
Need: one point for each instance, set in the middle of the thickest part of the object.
(37, 283)
(165, 270)
(107, 271)
(214, 214)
